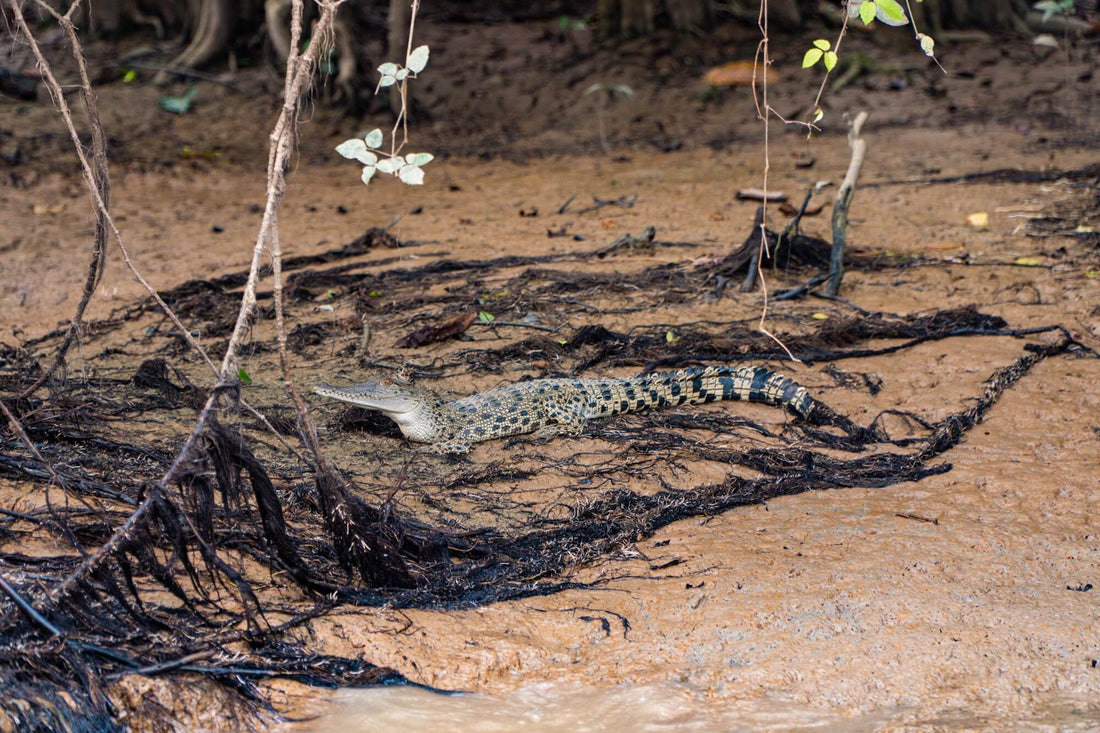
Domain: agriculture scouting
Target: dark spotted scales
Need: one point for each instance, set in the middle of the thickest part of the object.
(562, 406)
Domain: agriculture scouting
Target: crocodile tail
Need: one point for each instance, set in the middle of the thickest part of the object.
(751, 384)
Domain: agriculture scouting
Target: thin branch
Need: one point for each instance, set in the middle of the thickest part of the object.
(764, 112)
(27, 608)
(843, 202)
(187, 74)
(90, 176)
(17, 428)
(62, 528)
(100, 182)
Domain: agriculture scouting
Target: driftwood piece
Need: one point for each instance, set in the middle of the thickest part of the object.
(843, 201)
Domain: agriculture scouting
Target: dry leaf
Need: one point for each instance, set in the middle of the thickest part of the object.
(789, 209)
(738, 74)
(431, 334)
(978, 219)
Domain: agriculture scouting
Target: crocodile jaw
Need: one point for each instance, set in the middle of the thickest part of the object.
(411, 411)
(420, 424)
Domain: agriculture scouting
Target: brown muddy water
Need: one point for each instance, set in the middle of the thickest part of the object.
(653, 708)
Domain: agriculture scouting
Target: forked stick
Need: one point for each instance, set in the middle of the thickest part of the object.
(843, 201)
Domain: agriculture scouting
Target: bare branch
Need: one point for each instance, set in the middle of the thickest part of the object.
(843, 201)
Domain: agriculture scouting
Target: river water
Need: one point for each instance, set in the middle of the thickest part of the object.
(651, 708)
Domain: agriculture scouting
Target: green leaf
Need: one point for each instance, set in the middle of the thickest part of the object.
(351, 148)
(867, 11)
(368, 173)
(412, 175)
(1050, 7)
(830, 60)
(670, 337)
(890, 13)
(486, 317)
(418, 59)
(927, 44)
(387, 81)
(356, 149)
(391, 165)
(374, 139)
(129, 77)
(818, 114)
(179, 105)
(388, 69)
(419, 158)
(812, 57)
(243, 376)
(822, 44)
(401, 74)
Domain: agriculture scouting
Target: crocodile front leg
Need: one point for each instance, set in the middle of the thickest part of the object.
(454, 446)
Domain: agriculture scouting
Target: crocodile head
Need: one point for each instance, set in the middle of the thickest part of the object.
(421, 415)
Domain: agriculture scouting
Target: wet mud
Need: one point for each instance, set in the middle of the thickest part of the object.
(936, 560)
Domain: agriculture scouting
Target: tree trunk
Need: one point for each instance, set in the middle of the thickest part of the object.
(988, 15)
(636, 17)
(687, 15)
(397, 42)
(626, 18)
(783, 14)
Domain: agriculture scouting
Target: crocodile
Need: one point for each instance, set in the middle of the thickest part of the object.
(562, 406)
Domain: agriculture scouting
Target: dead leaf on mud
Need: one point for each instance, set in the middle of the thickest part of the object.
(978, 219)
(738, 74)
(431, 334)
(789, 209)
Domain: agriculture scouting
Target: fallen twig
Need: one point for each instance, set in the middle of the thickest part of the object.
(27, 608)
(187, 74)
(641, 240)
(563, 207)
(917, 517)
(625, 202)
(801, 290)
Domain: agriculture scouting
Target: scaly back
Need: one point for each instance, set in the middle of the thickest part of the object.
(694, 387)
